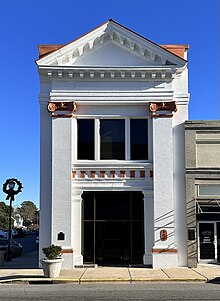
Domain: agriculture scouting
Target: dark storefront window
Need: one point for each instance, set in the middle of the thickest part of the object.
(112, 132)
(112, 139)
(85, 139)
(139, 139)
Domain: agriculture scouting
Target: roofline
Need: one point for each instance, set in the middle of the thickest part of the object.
(61, 46)
(145, 38)
(111, 20)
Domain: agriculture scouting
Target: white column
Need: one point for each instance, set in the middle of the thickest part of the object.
(164, 252)
(97, 139)
(45, 178)
(74, 140)
(148, 227)
(61, 185)
(77, 226)
(179, 184)
(127, 139)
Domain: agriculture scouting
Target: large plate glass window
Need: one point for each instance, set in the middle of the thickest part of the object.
(85, 139)
(112, 139)
(139, 139)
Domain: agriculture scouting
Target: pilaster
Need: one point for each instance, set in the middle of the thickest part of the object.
(148, 228)
(45, 178)
(61, 186)
(77, 226)
(179, 194)
(164, 249)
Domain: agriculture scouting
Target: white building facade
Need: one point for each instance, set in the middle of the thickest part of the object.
(112, 111)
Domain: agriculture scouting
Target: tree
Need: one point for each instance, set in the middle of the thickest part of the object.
(4, 215)
(29, 212)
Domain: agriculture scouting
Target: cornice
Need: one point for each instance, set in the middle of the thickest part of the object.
(198, 170)
(111, 73)
(93, 98)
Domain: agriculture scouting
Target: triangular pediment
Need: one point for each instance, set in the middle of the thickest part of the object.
(111, 54)
(111, 45)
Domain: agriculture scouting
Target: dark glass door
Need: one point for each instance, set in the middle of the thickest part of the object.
(113, 227)
(112, 242)
(206, 236)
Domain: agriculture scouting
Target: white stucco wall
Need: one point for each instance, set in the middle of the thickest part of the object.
(114, 94)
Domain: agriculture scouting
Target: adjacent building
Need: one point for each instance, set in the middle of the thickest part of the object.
(112, 111)
(202, 148)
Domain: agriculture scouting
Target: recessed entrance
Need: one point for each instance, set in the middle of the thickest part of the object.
(113, 227)
(209, 241)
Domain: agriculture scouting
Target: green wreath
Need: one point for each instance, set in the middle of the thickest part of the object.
(11, 192)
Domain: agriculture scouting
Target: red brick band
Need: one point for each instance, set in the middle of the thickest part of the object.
(67, 251)
(164, 250)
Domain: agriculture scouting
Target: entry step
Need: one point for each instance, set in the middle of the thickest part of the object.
(86, 266)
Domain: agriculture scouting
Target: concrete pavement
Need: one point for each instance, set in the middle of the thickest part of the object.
(24, 269)
(112, 274)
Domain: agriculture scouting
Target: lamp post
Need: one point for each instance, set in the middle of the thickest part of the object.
(8, 188)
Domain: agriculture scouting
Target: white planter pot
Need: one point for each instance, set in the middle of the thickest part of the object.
(51, 267)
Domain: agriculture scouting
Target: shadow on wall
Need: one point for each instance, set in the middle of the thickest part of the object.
(192, 233)
(191, 213)
(168, 220)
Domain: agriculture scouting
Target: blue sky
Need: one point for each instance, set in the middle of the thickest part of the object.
(24, 24)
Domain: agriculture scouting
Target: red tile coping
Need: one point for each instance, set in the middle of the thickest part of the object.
(67, 251)
(112, 174)
(102, 173)
(142, 173)
(82, 174)
(164, 250)
(122, 173)
(92, 173)
(178, 50)
(132, 173)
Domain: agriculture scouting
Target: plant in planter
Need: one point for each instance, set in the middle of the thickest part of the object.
(52, 252)
(52, 263)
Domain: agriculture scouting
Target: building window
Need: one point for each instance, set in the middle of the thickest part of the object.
(85, 139)
(112, 139)
(209, 190)
(139, 139)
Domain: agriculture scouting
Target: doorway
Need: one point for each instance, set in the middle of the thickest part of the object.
(113, 227)
(209, 241)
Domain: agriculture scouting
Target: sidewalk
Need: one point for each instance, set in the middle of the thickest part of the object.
(112, 275)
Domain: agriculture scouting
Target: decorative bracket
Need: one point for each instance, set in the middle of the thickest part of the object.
(154, 107)
(61, 106)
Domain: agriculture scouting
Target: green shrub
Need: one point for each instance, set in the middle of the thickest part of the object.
(52, 251)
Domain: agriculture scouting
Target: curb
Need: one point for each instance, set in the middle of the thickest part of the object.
(95, 281)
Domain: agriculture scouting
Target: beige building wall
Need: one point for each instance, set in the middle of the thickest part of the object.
(208, 149)
(202, 166)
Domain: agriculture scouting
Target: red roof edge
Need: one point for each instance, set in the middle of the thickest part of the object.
(44, 50)
(178, 50)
